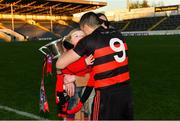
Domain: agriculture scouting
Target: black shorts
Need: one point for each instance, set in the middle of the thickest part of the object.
(113, 103)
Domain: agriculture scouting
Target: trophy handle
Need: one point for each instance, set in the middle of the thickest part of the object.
(41, 49)
(45, 49)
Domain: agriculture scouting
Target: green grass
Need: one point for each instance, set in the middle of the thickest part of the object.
(20, 76)
(154, 67)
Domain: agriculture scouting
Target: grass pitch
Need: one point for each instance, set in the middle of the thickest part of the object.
(154, 68)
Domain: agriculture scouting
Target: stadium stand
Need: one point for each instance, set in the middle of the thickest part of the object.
(40, 19)
(42, 7)
(149, 23)
(146, 19)
(48, 27)
(58, 28)
(33, 32)
(14, 34)
(40, 29)
(171, 23)
(142, 24)
(6, 30)
(119, 25)
(4, 37)
(157, 23)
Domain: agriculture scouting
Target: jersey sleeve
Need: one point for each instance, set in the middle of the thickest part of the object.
(78, 66)
(91, 81)
(83, 46)
(80, 48)
(59, 82)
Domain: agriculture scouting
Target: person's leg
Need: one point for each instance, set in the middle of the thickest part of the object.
(115, 104)
(79, 115)
(129, 105)
(96, 106)
(87, 105)
(90, 101)
(71, 103)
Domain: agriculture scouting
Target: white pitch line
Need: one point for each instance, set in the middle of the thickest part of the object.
(30, 115)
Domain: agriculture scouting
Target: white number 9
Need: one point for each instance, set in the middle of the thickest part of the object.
(118, 49)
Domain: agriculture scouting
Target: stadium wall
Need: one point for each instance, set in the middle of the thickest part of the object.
(149, 33)
(125, 14)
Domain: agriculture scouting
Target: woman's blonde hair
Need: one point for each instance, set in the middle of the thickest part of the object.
(68, 37)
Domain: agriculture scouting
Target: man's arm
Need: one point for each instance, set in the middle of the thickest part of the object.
(66, 59)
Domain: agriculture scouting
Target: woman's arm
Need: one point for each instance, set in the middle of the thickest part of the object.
(66, 59)
(79, 80)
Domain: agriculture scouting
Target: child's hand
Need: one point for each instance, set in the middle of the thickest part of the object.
(89, 60)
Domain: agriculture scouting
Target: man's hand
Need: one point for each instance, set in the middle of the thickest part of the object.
(69, 78)
(70, 89)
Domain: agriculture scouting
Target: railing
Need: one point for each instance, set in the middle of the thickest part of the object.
(147, 33)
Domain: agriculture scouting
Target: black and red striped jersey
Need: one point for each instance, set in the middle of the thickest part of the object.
(110, 52)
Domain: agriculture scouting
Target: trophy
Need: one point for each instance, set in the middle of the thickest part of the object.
(54, 48)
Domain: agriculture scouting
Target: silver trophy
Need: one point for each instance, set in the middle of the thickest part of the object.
(54, 48)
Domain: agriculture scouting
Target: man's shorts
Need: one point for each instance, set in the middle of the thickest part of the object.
(113, 103)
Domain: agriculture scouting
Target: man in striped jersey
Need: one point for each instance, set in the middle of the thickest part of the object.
(113, 98)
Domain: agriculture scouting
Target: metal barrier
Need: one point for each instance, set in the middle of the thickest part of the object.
(147, 33)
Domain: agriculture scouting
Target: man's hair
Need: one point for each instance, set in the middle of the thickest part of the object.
(90, 19)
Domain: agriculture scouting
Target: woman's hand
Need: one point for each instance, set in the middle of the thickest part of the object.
(69, 78)
(70, 89)
(89, 60)
(69, 84)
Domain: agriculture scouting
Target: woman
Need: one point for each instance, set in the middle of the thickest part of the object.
(104, 20)
(77, 72)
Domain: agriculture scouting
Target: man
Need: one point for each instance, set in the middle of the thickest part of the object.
(113, 100)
